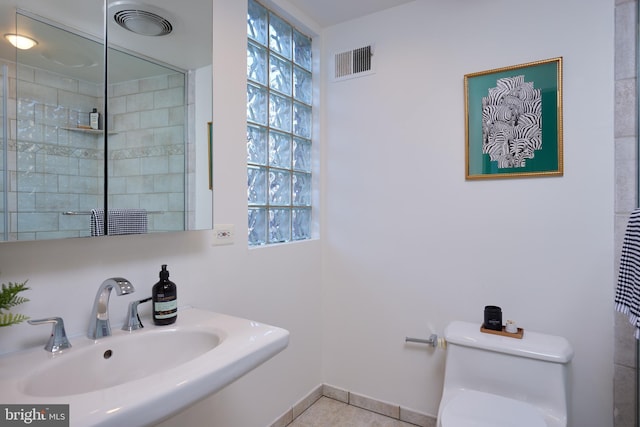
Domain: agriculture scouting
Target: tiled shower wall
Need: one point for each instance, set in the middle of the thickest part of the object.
(625, 387)
(147, 148)
(56, 167)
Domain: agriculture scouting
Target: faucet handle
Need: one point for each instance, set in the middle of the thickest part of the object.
(133, 321)
(58, 340)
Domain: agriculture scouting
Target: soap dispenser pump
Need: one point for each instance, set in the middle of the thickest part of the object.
(165, 299)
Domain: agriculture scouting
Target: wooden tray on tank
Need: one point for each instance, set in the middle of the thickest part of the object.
(503, 332)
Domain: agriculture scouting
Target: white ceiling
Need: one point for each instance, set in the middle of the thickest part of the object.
(191, 20)
(331, 12)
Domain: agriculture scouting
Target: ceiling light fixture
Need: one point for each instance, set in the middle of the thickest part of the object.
(20, 41)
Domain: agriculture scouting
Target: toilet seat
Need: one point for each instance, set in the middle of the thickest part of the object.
(470, 408)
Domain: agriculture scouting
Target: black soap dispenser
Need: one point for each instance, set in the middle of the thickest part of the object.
(165, 299)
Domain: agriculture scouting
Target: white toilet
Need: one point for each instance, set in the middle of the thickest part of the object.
(500, 381)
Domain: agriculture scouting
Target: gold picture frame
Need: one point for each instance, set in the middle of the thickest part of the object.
(513, 121)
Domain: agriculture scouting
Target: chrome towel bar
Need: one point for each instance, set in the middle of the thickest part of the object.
(89, 212)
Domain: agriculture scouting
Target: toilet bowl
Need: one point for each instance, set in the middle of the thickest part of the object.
(502, 381)
(478, 409)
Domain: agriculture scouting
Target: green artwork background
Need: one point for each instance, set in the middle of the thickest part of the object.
(544, 77)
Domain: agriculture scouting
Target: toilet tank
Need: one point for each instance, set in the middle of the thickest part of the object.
(533, 369)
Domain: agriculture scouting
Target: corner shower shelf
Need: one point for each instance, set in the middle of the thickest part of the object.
(90, 131)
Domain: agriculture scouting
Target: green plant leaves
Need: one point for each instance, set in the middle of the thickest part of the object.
(8, 319)
(9, 298)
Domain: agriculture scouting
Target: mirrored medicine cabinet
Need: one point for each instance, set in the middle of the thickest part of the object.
(105, 121)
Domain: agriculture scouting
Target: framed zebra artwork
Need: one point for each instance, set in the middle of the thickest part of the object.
(513, 121)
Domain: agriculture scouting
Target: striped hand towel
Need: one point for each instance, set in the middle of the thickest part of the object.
(627, 299)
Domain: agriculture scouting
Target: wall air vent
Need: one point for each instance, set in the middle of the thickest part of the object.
(353, 63)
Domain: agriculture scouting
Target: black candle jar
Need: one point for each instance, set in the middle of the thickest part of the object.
(493, 317)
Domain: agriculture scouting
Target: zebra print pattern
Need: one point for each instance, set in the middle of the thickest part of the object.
(512, 122)
(627, 299)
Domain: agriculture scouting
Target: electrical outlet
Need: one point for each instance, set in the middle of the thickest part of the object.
(223, 234)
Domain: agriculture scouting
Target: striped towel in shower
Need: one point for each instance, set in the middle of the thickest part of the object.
(120, 221)
(627, 299)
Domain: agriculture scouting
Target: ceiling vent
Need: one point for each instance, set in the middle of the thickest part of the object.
(143, 22)
(141, 18)
(353, 63)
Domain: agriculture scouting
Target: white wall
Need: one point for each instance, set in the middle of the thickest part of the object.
(409, 245)
(279, 285)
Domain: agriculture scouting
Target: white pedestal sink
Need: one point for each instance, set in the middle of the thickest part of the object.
(142, 377)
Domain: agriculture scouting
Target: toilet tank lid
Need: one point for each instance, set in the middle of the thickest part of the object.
(534, 345)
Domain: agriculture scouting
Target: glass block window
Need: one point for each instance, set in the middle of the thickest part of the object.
(279, 128)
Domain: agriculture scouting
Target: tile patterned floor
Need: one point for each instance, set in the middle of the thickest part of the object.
(328, 412)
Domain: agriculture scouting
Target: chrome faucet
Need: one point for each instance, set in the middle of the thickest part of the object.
(99, 325)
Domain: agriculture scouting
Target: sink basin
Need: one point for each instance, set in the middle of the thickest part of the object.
(118, 360)
(140, 378)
